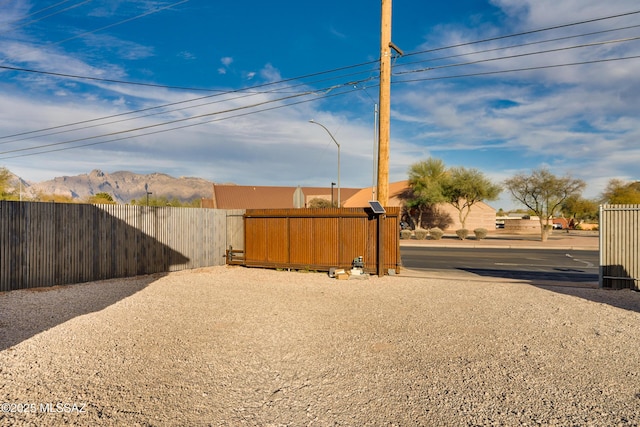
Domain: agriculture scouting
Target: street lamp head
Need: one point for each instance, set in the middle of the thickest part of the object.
(312, 121)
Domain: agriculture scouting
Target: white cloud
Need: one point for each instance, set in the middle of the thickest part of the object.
(270, 73)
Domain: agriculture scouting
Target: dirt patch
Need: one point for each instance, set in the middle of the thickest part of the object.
(238, 346)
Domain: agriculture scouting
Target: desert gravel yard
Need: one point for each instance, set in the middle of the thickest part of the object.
(232, 346)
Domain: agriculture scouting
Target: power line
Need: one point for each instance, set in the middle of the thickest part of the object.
(520, 55)
(302, 77)
(247, 92)
(268, 109)
(265, 109)
(440, 58)
(99, 79)
(46, 16)
(170, 129)
(163, 123)
(522, 33)
(541, 67)
(124, 21)
(310, 92)
(251, 90)
(150, 12)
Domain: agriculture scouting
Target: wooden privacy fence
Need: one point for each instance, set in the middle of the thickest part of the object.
(619, 246)
(319, 239)
(46, 244)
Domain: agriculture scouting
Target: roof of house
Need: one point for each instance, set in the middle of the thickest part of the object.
(396, 190)
(362, 197)
(266, 197)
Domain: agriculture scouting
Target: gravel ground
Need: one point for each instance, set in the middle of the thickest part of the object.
(237, 346)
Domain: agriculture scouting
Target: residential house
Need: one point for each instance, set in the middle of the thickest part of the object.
(443, 215)
(230, 196)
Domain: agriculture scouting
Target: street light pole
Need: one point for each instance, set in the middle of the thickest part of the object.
(334, 140)
(332, 184)
(146, 189)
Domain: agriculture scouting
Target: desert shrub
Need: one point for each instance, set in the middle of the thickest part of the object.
(405, 234)
(462, 233)
(480, 233)
(436, 233)
(421, 234)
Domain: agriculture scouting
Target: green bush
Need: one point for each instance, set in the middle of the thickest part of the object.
(436, 233)
(405, 234)
(421, 234)
(480, 233)
(462, 233)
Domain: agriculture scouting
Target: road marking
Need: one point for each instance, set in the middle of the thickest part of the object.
(587, 263)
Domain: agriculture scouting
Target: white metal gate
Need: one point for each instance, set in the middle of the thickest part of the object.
(619, 252)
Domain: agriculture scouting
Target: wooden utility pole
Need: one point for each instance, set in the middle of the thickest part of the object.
(385, 104)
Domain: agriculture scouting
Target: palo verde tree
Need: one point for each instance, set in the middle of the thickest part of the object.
(579, 209)
(427, 179)
(465, 188)
(619, 192)
(543, 193)
(101, 199)
(5, 177)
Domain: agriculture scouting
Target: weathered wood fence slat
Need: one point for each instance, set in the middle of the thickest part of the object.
(46, 244)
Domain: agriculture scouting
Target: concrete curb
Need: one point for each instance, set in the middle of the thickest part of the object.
(501, 246)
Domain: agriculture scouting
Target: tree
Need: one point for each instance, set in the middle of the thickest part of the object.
(619, 192)
(101, 199)
(543, 193)
(5, 185)
(466, 187)
(318, 202)
(580, 209)
(426, 183)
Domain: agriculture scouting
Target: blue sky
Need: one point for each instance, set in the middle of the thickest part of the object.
(228, 88)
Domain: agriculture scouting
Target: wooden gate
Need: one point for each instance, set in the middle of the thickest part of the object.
(319, 239)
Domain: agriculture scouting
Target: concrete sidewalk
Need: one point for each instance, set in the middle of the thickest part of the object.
(573, 240)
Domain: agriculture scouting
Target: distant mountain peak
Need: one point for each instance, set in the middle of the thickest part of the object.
(124, 186)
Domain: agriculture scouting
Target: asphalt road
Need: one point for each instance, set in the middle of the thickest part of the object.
(524, 264)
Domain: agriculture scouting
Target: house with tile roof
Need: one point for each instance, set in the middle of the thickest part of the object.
(229, 196)
(445, 216)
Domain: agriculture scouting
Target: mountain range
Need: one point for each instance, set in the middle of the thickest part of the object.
(123, 186)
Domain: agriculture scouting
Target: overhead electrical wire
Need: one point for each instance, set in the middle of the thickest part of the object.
(244, 93)
(33, 21)
(322, 72)
(167, 130)
(524, 33)
(495, 49)
(341, 93)
(252, 90)
(147, 13)
(165, 123)
(514, 70)
(520, 55)
(124, 21)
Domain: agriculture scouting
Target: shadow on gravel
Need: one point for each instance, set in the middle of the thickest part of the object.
(579, 285)
(560, 275)
(25, 313)
(625, 298)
